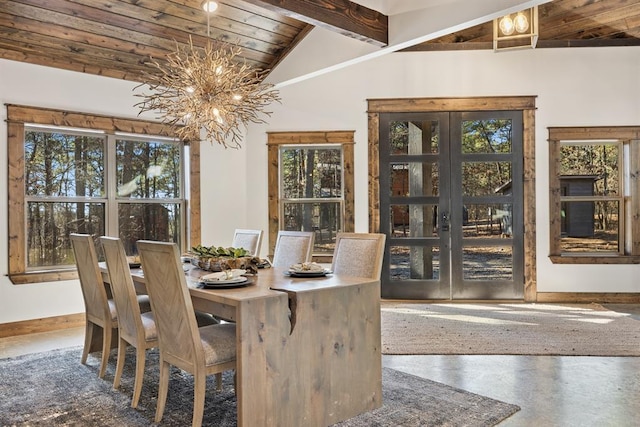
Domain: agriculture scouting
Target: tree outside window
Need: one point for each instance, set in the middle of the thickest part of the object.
(311, 193)
(311, 185)
(67, 191)
(76, 173)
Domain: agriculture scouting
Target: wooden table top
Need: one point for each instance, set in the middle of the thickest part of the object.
(267, 283)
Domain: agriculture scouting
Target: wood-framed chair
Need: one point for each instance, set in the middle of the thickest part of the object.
(293, 247)
(359, 254)
(199, 351)
(100, 310)
(248, 239)
(134, 327)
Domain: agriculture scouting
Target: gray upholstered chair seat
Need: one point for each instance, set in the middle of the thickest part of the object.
(149, 325)
(224, 338)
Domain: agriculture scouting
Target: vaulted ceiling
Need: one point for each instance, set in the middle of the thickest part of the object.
(121, 38)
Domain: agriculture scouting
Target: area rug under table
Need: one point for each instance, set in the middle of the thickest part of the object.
(508, 329)
(54, 389)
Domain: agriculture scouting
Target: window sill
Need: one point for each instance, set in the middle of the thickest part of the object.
(594, 259)
(42, 276)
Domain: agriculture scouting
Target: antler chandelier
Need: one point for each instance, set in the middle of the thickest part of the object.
(208, 89)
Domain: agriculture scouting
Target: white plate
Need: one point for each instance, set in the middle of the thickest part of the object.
(234, 281)
(222, 275)
(311, 268)
(308, 273)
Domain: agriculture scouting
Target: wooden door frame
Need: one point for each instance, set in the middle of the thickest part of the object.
(526, 104)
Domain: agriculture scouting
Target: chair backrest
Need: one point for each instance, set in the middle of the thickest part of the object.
(293, 247)
(178, 336)
(124, 293)
(249, 240)
(93, 289)
(359, 254)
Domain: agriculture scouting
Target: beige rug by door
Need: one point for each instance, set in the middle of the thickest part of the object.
(518, 329)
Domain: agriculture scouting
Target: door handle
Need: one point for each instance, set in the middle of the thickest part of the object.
(444, 221)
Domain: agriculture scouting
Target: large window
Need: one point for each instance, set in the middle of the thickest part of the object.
(594, 194)
(83, 178)
(311, 185)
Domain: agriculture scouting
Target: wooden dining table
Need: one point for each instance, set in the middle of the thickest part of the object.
(308, 349)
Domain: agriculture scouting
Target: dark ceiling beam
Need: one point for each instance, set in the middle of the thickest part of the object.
(342, 16)
(541, 44)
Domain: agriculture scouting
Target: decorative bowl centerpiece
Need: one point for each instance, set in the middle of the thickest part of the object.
(212, 258)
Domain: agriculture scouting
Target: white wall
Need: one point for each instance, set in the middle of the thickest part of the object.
(574, 87)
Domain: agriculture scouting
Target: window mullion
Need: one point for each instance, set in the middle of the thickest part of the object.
(111, 210)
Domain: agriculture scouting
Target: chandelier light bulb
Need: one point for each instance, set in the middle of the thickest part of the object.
(209, 6)
(190, 89)
(237, 97)
(521, 23)
(506, 25)
(216, 112)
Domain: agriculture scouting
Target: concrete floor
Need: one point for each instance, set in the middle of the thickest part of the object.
(551, 391)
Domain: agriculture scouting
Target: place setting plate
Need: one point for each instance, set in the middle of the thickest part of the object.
(307, 270)
(221, 280)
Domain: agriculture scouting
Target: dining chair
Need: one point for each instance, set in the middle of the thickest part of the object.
(292, 247)
(100, 310)
(134, 327)
(249, 240)
(359, 254)
(198, 351)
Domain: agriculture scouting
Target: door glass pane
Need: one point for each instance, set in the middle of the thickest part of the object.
(413, 137)
(311, 173)
(49, 225)
(486, 178)
(486, 136)
(590, 227)
(148, 221)
(487, 263)
(414, 220)
(488, 220)
(414, 262)
(148, 170)
(322, 218)
(64, 165)
(414, 179)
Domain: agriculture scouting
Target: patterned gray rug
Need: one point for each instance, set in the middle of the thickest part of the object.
(54, 389)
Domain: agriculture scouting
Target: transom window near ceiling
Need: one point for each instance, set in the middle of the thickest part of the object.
(311, 186)
(594, 195)
(99, 181)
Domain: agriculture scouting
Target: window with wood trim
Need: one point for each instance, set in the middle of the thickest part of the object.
(594, 194)
(77, 173)
(311, 185)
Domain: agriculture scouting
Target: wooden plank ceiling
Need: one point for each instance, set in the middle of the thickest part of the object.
(562, 23)
(118, 38)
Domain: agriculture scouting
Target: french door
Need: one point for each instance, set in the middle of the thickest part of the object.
(451, 205)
